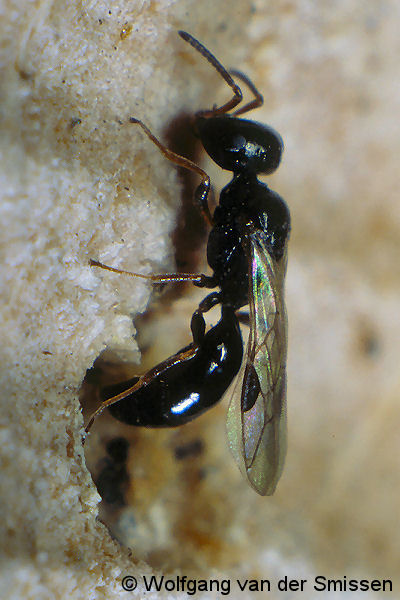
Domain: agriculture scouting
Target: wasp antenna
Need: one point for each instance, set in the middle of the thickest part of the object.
(237, 92)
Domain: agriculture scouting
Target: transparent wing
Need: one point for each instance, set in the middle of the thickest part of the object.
(256, 421)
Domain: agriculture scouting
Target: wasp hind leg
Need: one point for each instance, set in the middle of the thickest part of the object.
(125, 390)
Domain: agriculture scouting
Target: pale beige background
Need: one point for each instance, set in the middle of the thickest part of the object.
(72, 190)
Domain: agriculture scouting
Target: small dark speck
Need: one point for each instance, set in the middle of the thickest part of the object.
(202, 474)
(109, 12)
(117, 449)
(113, 477)
(188, 450)
(111, 482)
(74, 122)
(126, 188)
(367, 340)
(370, 345)
(24, 74)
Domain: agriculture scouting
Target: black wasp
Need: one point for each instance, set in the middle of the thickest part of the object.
(247, 253)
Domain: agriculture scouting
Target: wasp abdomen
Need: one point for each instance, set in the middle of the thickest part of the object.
(187, 384)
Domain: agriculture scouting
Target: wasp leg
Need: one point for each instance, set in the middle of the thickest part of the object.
(202, 190)
(191, 381)
(120, 391)
(198, 324)
(243, 317)
(198, 280)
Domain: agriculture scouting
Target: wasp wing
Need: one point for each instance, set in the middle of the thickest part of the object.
(256, 421)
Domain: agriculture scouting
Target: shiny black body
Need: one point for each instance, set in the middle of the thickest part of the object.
(244, 200)
(183, 387)
(188, 384)
(193, 380)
